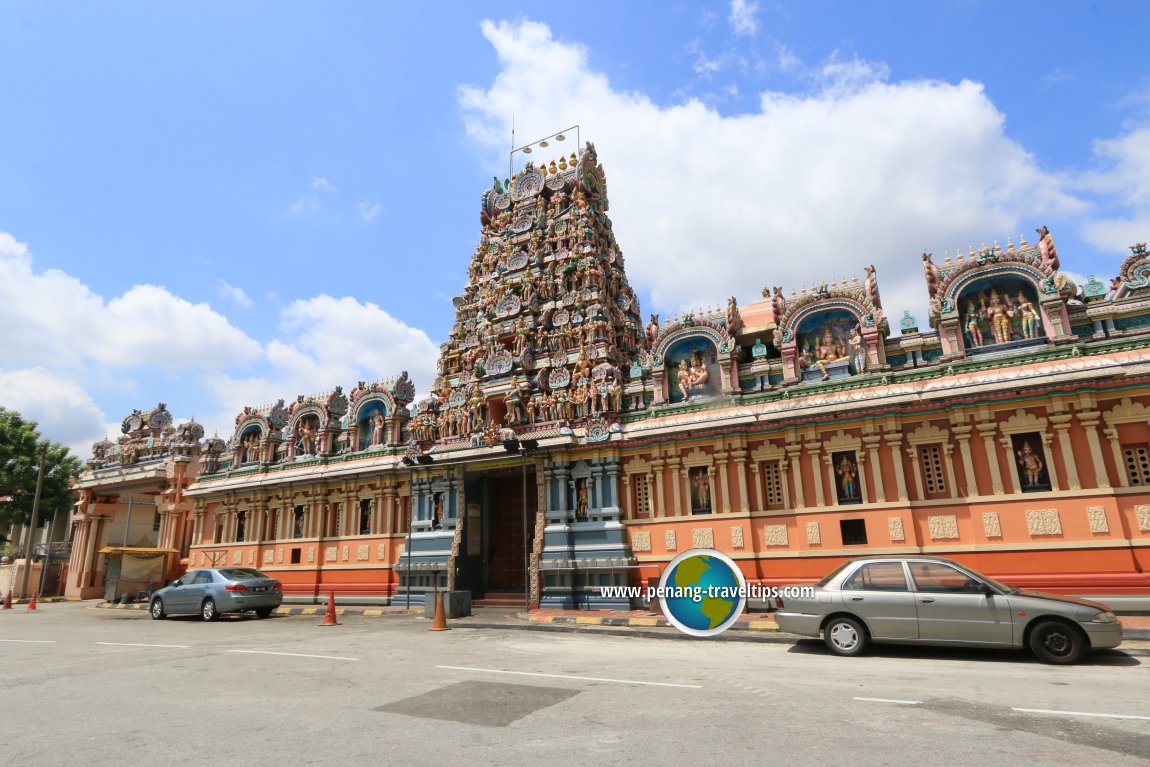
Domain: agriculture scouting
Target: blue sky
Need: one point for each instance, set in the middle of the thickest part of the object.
(219, 204)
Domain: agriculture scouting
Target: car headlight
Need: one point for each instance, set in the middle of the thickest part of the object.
(1106, 617)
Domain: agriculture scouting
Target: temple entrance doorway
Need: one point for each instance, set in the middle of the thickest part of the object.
(497, 573)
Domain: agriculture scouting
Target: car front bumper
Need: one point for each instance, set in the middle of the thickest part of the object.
(1103, 635)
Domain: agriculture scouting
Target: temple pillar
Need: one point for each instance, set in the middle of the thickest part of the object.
(1089, 420)
(721, 461)
(1061, 425)
(794, 453)
(962, 434)
(871, 443)
(741, 471)
(815, 450)
(987, 431)
(1111, 433)
(894, 443)
(915, 471)
(657, 485)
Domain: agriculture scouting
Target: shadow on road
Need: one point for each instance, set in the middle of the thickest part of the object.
(922, 652)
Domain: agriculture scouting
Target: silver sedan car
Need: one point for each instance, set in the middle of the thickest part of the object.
(927, 600)
(211, 592)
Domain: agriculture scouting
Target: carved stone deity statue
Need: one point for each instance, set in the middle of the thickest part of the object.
(1046, 249)
(377, 423)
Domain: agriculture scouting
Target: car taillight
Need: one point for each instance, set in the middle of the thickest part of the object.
(276, 586)
(779, 603)
(235, 587)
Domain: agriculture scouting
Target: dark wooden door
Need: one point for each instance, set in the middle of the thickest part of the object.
(505, 544)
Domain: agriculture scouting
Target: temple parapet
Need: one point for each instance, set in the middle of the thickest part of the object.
(147, 437)
(372, 417)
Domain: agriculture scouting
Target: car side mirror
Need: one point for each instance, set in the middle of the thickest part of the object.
(175, 583)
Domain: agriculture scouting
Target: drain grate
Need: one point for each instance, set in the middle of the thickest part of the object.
(491, 704)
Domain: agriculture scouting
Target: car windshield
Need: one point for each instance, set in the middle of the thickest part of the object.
(241, 573)
(827, 578)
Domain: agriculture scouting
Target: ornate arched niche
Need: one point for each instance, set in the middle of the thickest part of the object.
(691, 367)
(372, 421)
(250, 443)
(305, 431)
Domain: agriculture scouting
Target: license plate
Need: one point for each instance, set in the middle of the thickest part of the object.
(260, 588)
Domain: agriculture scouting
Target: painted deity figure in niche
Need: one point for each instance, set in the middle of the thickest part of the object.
(1030, 321)
(1031, 465)
(683, 379)
(377, 423)
(698, 374)
(581, 506)
(827, 351)
(307, 438)
(700, 490)
(858, 350)
(973, 327)
(1000, 314)
(847, 472)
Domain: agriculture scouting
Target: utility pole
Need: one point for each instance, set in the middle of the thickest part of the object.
(32, 522)
(48, 554)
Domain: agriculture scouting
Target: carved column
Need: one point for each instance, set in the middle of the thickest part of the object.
(915, 471)
(741, 470)
(1061, 425)
(948, 470)
(757, 486)
(829, 469)
(871, 442)
(986, 431)
(676, 486)
(962, 434)
(894, 442)
(784, 470)
(721, 461)
(1111, 433)
(815, 451)
(794, 453)
(1089, 421)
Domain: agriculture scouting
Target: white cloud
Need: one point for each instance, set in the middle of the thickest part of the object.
(63, 410)
(231, 292)
(51, 318)
(1124, 179)
(369, 210)
(856, 171)
(323, 185)
(304, 205)
(742, 17)
(328, 342)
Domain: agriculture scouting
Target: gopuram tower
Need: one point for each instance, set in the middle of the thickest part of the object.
(546, 353)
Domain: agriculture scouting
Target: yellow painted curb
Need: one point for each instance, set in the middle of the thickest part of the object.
(310, 611)
(589, 621)
(373, 613)
(763, 626)
(644, 622)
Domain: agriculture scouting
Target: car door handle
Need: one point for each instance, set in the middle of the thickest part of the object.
(926, 600)
(856, 599)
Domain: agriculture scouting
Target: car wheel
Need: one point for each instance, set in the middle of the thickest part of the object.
(845, 636)
(208, 610)
(157, 609)
(264, 612)
(1057, 642)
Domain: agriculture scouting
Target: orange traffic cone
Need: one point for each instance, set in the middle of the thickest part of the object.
(329, 616)
(32, 602)
(8, 600)
(440, 622)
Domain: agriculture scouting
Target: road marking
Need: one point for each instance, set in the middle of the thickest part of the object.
(580, 678)
(1079, 713)
(292, 654)
(133, 644)
(31, 641)
(892, 700)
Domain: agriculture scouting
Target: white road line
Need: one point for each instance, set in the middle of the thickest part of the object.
(892, 700)
(133, 644)
(292, 654)
(580, 678)
(31, 641)
(1079, 713)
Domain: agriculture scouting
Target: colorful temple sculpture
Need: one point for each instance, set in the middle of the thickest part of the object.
(566, 445)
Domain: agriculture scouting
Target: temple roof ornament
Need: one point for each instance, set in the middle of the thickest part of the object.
(147, 436)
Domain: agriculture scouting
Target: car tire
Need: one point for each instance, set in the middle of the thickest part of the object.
(157, 609)
(208, 610)
(1057, 642)
(845, 636)
(264, 612)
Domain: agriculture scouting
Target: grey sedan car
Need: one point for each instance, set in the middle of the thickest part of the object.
(211, 592)
(927, 600)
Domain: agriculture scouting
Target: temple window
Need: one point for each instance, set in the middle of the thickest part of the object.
(241, 520)
(1137, 464)
(295, 556)
(773, 484)
(933, 477)
(365, 516)
(853, 532)
(642, 496)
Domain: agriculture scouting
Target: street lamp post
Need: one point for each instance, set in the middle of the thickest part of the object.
(32, 522)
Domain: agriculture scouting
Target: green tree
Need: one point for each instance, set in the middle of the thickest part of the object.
(20, 450)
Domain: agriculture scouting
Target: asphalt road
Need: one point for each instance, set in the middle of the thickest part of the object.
(80, 686)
